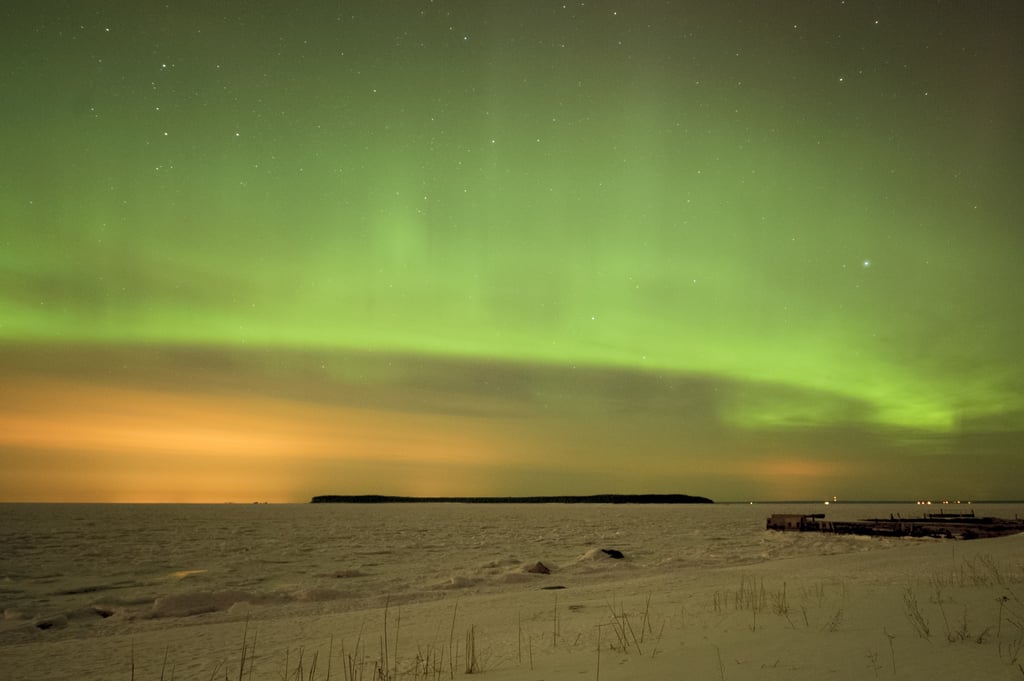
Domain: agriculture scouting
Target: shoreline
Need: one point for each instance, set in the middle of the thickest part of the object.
(588, 499)
(914, 611)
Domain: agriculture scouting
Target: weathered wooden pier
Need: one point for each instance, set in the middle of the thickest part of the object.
(937, 525)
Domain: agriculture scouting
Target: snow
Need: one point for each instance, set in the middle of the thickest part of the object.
(701, 594)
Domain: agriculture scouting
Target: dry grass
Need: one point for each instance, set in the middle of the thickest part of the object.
(975, 601)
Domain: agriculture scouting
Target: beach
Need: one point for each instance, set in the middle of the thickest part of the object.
(842, 609)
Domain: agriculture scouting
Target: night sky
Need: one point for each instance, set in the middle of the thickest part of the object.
(747, 250)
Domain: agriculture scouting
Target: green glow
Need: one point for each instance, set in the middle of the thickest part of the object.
(819, 199)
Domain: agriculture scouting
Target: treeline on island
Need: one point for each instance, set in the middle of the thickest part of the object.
(591, 499)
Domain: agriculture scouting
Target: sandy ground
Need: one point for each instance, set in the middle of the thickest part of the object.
(923, 610)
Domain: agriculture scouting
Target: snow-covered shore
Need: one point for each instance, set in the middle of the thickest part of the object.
(907, 610)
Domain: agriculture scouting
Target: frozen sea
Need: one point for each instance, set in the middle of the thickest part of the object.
(84, 570)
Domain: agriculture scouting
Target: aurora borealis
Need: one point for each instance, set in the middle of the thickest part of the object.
(746, 250)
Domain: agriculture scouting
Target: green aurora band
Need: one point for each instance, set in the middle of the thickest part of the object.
(819, 204)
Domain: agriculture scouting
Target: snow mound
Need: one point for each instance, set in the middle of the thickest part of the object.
(196, 603)
(594, 555)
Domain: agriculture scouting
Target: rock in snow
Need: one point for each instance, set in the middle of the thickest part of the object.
(55, 622)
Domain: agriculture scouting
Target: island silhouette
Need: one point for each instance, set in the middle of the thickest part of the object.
(588, 499)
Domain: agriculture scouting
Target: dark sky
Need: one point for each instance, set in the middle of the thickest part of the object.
(750, 250)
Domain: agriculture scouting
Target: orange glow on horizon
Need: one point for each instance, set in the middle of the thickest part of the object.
(106, 443)
(67, 440)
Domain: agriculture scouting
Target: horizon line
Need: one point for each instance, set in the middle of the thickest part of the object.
(500, 499)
